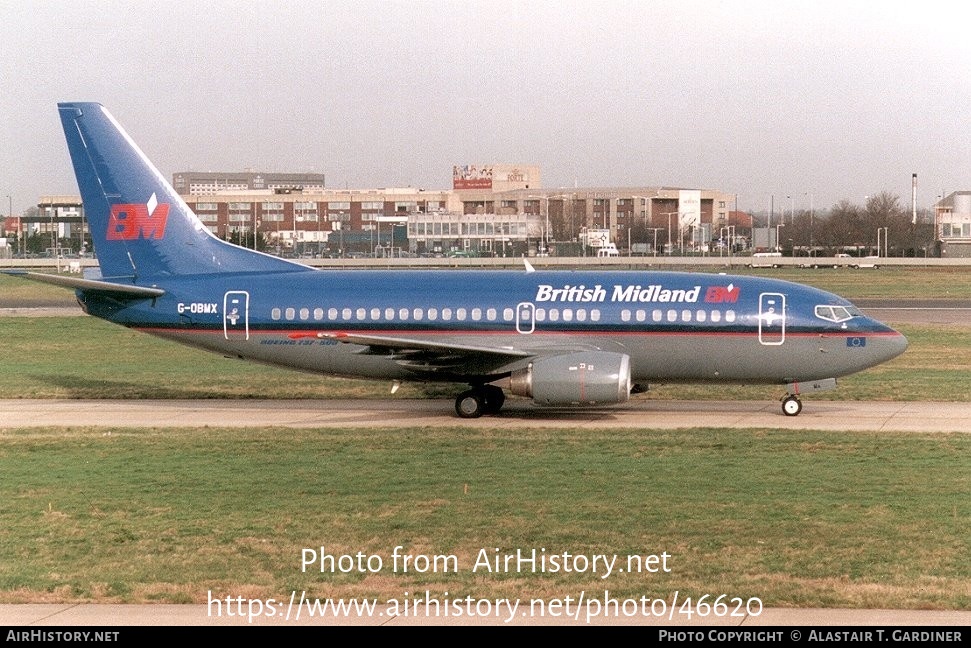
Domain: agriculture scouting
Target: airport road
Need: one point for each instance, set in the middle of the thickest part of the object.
(837, 416)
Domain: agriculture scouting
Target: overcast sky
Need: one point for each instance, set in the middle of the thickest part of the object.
(837, 100)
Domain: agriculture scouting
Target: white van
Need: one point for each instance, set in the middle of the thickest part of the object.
(608, 250)
(765, 260)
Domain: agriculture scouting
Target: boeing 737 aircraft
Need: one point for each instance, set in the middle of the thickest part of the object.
(560, 338)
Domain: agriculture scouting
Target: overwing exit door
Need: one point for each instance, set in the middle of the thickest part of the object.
(525, 317)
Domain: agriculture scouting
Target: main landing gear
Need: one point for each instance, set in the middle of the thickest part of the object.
(481, 399)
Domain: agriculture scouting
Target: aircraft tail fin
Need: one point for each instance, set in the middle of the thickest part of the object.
(140, 226)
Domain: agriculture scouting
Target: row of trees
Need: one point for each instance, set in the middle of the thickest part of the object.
(851, 227)
(37, 244)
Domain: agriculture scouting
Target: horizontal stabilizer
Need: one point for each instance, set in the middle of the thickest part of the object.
(121, 291)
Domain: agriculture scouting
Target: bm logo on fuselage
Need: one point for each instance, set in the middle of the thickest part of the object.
(130, 222)
(722, 294)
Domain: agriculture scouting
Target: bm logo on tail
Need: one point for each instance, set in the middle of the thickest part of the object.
(129, 222)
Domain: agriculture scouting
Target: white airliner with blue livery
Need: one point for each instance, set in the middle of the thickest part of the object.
(560, 338)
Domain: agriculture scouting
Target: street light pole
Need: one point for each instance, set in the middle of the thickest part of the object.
(669, 215)
(544, 240)
(10, 215)
(670, 248)
(546, 230)
(885, 231)
(810, 223)
(655, 230)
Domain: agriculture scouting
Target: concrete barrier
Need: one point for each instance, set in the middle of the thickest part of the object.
(606, 263)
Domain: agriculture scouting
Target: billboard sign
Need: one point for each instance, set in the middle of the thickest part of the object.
(471, 176)
(689, 207)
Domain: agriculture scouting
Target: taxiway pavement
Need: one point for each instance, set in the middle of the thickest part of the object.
(837, 416)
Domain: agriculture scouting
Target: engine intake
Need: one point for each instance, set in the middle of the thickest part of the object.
(583, 378)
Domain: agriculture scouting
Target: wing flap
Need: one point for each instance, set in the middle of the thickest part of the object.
(388, 342)
(431, 357)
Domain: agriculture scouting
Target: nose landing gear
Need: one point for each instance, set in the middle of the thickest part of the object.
(791, 405)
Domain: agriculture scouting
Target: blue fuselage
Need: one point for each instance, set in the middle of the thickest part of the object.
(674, 326)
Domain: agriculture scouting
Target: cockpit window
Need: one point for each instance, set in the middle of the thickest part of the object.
(836, 313)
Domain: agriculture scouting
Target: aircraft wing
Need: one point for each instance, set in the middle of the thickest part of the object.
(117, 290)
(432, 357)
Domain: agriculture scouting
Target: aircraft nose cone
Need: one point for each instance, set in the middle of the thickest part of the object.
(899, 344)
(891, 346)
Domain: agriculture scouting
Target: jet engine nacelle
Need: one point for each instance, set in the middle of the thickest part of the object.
(583, 378)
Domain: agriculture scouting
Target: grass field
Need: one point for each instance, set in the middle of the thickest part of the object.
(888, 282)
(884, 283)
(793, 518)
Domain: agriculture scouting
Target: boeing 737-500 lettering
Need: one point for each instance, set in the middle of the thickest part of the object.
(559, 338)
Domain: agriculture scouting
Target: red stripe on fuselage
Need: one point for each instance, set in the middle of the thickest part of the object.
(338, 333)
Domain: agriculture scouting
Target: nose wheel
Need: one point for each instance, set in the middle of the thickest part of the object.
(791, 405)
